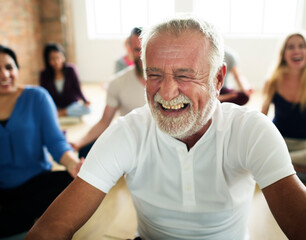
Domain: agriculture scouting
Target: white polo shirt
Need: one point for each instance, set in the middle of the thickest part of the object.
(204, 193)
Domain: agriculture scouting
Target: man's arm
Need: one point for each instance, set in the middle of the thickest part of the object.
(97, 129)
(287, 201)
(69, 211)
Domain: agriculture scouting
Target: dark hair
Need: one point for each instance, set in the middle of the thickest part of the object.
(9, 52)
(136, 31)
(50, 47)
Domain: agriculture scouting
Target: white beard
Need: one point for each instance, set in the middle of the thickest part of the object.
(188, 123)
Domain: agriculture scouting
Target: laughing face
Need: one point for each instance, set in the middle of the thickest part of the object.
(181, 97)
(8, 74)
(295, 52)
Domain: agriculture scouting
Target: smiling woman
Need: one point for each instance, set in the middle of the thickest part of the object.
(28, 128)
(286, 89)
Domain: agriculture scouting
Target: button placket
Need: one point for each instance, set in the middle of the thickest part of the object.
(188, 193)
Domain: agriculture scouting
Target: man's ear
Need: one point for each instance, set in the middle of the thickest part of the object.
(220, 77)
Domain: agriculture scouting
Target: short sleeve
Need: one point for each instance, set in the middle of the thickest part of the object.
(264, 151)
(112, 98)
(106, 162)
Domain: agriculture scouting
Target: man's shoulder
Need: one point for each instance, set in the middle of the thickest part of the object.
(122, 78)
(141, 115)
(126, 73)
(227, 107)
(138, 120)
(231, 114)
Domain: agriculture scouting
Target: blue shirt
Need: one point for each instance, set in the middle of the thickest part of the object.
(31, 130)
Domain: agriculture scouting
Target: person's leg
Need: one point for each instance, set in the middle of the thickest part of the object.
(239, 98)
(297, 150)
(77, 109)
(20, 207)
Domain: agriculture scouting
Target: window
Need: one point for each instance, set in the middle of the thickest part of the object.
(255, 17)
(116, 18)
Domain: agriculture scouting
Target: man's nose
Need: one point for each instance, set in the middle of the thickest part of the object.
(168, 88)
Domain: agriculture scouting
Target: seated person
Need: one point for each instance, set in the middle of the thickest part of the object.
(242, 95)
(286, 89)
(125, 93)
(28, 128)
(127, 59)
(62, 82)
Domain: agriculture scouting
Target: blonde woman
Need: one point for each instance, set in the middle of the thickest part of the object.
(286, 89)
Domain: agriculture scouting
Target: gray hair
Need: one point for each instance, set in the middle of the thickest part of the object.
(176, 26)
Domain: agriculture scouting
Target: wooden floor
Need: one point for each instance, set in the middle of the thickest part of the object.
(116, 216)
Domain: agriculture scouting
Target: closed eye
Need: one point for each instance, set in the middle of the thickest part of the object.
(184, 77)
(154, 76)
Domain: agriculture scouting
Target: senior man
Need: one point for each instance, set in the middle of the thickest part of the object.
(190, 161)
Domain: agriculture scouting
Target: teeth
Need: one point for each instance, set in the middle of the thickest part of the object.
(5, 82)
(174, 107)
(297, 58)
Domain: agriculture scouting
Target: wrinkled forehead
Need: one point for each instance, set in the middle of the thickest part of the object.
(187, 45)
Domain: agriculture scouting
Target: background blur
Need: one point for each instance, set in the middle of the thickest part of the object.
(93, 31)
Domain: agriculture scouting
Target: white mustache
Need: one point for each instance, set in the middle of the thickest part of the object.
(181, 99)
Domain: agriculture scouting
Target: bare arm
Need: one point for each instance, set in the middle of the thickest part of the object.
(265, 106)
(69, 211)
(287, 201)
(71, 162)
(97, 129)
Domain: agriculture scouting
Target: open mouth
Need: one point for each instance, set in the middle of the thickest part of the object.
(176, 107)
(297, 59)
(5, 82)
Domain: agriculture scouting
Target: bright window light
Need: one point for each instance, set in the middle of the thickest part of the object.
(214, 13)
(116, 18)
(252, 17)
(282, 19)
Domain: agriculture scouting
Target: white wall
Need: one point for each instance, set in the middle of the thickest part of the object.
(95, 58)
